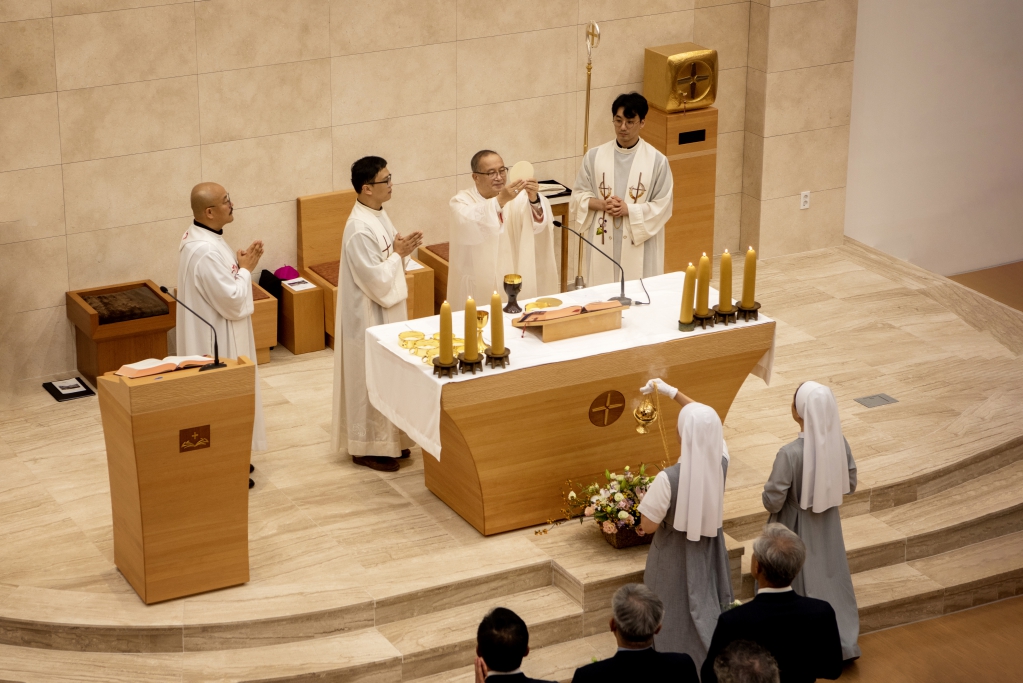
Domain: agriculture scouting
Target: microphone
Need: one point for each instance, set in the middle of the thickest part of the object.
(216, 350)
(623, 300)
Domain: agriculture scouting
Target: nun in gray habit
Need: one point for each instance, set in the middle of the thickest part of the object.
(688, 562)
(810, 476)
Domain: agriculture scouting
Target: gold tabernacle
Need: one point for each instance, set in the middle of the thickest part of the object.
(680, 77)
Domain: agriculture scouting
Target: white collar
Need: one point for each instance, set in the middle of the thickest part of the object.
(627, 150)
(786, 589)
(376, 212)
(504, 673)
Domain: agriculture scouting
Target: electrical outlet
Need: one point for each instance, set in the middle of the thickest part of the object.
(804, 200)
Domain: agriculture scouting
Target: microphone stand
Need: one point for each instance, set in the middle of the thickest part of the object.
(623, 300)
(216, 350)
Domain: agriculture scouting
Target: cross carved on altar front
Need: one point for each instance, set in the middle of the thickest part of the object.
(607, 407)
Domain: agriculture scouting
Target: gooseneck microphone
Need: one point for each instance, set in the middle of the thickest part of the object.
(623, 300)
(216, 349)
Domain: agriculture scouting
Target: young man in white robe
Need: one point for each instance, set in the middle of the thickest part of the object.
(499, 228)
(636, 180)
(216, 282)
(372, 291)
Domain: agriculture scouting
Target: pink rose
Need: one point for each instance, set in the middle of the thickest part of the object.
(589, 511)
(608, 527)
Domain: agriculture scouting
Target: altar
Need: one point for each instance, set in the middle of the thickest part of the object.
(500, 447)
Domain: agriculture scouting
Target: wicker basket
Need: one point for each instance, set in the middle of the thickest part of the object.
(626, 537)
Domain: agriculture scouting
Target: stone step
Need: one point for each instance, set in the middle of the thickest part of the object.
(445, 640)
(358, 657)
(895, 595)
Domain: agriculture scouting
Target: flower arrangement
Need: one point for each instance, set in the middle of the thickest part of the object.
(614, 505)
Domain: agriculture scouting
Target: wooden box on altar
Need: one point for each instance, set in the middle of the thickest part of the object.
(690, 142)
(321, 226)
(264, 322)
(104, 346)
(178, 448)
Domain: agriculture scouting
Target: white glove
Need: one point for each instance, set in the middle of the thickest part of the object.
(661, 386)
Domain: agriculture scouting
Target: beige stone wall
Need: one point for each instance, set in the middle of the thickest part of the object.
(110, 110)
(798, 100)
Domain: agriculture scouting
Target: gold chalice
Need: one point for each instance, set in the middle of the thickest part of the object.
(481, 322)
(645, 414)
(407, 340)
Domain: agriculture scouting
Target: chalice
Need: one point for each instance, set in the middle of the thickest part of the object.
(512, 287)
(481, 322)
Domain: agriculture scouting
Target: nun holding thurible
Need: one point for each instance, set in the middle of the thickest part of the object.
(809, 479)
(688, 563)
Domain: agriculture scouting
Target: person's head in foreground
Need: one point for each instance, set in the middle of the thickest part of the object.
(502, 640)
(744, 661)
(778, 555)
(628, 113)
(372, 181)
(637, 614)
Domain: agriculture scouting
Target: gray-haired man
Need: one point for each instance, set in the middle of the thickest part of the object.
(800, 633)
(637, 617)
(746, 662)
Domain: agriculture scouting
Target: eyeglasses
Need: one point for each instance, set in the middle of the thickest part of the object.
(385, 181)
(493, 173)
(227, 200)
(629, 123)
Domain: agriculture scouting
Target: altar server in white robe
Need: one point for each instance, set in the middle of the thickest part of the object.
(684, 507)
(809, 479)
(636, 179)
(499, 228)
(372, 291)
(216, 282)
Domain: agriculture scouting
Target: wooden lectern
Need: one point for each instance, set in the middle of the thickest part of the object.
(178, 449)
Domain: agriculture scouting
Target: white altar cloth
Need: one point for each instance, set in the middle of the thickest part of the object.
(405, 390)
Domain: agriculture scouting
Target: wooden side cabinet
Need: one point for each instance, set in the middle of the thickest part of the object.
(264, 322)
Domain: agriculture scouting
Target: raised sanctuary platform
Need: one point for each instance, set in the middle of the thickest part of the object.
(363, 576)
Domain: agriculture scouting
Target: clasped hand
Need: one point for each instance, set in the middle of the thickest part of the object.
(404, 246)
(249, 258)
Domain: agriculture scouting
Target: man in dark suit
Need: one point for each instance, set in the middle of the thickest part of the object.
(800, 633)
(502, 641)
(637, 614)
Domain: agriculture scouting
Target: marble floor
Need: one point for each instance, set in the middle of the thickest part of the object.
(349, 559)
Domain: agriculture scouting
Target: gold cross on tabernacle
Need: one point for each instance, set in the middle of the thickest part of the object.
(607, 407)
(638, 190)
(690, 82)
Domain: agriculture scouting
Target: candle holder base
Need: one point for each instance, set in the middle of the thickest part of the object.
(686, 327)
(747, 314)
(704, 321)
(498, 359)
(469, 365)
(726, 317)
(445, 369)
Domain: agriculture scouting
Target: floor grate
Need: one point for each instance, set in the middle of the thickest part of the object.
(876, 400)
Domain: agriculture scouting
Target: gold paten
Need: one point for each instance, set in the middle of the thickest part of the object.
(680, 77)
(645, 414)
(544, 302)
(407, 340)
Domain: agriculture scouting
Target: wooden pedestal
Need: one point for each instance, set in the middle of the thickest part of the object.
(103, 348)
(690, 142)
(439, 263)
(264, 322)
(301, 320)
(178, 449)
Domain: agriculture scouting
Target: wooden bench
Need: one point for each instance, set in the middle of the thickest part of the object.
(321, 225)
(264, 322)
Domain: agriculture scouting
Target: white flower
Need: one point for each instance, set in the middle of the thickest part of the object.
(626, 468)
(623, 515)
(571, 495)
(620, 477)
(619, 497)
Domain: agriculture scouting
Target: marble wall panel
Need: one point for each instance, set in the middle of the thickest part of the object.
(264, 100)
(727, 218)
(36, 344)
(275, 224)
(20, 10)
(33, 274)
(715, 3)
(416, 147)
(421, 79)
(537, 129)
(756, 101)
(623, 43)
(106, 48)
(749, 222)
(68, 7)
(787, 229)
(423, 206)
(132, 189)
(26, 58)
(812, 160)
(759, 29)
(128, 119)
(731, 100)
(271, 169)
(490, 69)
(605, 10)
(29, 132)
(724, 28)
(601, 127)
(811, 34)
(753, 165)
(32, 205)
(806, 99)
(358, 26)
(482, 18)
(126, 253)
(729, 163)
(237, 34)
